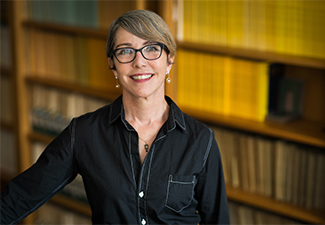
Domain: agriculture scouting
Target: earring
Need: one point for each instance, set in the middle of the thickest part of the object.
(117, 85)
(168, 80)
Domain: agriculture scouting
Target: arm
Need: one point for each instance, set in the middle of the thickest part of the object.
(211, 191)
(28, 191)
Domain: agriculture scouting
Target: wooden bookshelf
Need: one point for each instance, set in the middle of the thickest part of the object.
(7, 126)
(66, 29)
(308, 130)
(5, 72)
(254, 54)
(268, 204)
(304, 131)
(21, 26)
(39, 137)
(72, 87)
(300, 130)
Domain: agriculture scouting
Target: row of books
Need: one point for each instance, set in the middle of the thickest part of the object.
(8, 151)
(237, 87)
(51, 214)
(93, 14)
(6, 93)
(5, 46)
(242, 214)
(52, 109)
(222, 85)
(73, 59)
(294, 27)
(239, 214)
(285, 171)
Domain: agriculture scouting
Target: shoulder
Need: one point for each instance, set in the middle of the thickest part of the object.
(99, 116)
(189, 124)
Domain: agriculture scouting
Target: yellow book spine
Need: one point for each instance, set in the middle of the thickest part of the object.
(227, 73)
(263, 90)
(188, 20)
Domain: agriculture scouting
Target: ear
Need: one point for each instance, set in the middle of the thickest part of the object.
(170, 63)
(111, 66)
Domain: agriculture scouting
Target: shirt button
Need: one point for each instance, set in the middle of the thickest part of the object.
(143, 222)
(141, 194)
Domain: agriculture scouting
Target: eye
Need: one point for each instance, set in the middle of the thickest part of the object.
(152, 48)
(125, 51)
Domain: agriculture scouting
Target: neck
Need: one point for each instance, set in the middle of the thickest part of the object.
(145, 111)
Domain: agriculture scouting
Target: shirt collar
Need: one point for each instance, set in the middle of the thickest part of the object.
(176, 116)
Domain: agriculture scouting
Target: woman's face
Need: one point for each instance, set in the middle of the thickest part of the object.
(141, 77)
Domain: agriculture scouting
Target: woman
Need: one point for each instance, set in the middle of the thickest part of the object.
(142, 160)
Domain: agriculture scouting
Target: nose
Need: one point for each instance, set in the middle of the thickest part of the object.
(139, 60)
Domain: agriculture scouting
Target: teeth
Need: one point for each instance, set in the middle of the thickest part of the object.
(141, 77)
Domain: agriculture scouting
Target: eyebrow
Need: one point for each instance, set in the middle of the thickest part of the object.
(129, 44)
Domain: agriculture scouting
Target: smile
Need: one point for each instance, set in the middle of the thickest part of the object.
(141, 77)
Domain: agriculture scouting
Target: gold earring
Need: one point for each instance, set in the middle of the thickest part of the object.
(168, 80)
(117, 85)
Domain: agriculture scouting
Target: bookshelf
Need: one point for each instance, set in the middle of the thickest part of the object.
(7, 124)
(220, 39)
(306, 131)
(29, 20)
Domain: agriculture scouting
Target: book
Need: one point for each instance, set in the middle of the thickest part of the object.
(286, 27)
(290, 101)
(52, 109)
(276, 73)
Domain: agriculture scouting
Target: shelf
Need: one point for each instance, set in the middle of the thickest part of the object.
(254, 54)
(71, 87)
(5, 177)
(232, 194)
(5, 72)
(301, 131)
(284, 209)
(63, 28)
(236, 52)
(6, 125)
(71, 204)
(35, 136)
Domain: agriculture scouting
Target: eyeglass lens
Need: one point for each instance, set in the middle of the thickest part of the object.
(149, 52)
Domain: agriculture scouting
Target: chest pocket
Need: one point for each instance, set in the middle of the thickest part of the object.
(180, 192)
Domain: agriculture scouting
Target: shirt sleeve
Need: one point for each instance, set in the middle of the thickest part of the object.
(210, 190)
(54, 169)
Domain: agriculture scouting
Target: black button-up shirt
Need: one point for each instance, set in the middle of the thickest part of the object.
(180, 181)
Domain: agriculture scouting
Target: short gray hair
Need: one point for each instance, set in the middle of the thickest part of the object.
(143, 24)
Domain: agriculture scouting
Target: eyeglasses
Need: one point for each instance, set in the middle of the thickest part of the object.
(149, 52)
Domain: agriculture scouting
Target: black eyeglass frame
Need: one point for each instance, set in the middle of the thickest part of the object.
(139, 50)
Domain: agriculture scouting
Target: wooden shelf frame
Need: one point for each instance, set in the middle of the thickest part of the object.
(73, 87)
(216, 49)
(233, 194)
(254, 54)
(67, 29)
(300, 130)
(271, 205)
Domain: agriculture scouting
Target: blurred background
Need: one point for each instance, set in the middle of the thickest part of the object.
(254, 71)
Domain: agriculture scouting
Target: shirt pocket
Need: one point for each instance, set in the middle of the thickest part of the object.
(180, 192)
